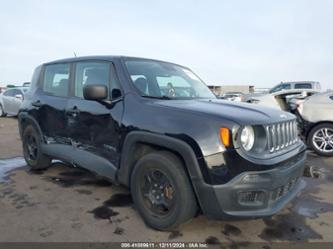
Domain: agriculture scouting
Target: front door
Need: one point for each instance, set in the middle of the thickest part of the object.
(95, 126)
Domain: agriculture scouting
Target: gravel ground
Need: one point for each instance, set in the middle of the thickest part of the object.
(69, 204)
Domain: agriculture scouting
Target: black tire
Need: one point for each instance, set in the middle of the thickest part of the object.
(2, 112)
(315, 132)
(32, 149)
(184, 205)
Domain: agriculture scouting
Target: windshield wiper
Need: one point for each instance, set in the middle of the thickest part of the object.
(156, 97)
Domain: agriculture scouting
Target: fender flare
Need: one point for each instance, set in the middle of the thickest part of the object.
(204, 193)
(25, 117)
(170, 143)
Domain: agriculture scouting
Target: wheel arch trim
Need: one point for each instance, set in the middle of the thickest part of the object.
(25, 117)
(169, 143)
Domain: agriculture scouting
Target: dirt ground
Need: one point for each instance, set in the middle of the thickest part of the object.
(69, 204)
(10, 142)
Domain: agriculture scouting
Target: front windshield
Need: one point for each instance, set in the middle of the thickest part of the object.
(280, 87)
(165, 80)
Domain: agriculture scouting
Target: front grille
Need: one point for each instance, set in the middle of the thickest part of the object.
(281, 135)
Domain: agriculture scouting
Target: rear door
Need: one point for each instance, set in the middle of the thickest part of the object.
(51, 100)
(95, 126)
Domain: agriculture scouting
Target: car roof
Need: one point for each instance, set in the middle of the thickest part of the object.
(17, 88)
(105, 58)
(80, 58)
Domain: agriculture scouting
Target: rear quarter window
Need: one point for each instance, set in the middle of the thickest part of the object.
(303, 86)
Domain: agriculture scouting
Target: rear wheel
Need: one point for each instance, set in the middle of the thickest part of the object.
(2, 112)
(320, 139)
(161, 191)
(32, 149)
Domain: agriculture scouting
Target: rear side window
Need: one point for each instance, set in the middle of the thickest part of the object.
(91, 73)
(303, 86)
(56, 79)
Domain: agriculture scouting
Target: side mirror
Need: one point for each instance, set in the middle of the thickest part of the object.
(95, 92)
(19, 96)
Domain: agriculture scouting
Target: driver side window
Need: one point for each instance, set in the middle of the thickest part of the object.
(101, 73)
(91, 73)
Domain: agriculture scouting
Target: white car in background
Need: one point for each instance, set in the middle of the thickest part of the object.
(279, 96)
(315, 115)
(232, 96)
(11, 100)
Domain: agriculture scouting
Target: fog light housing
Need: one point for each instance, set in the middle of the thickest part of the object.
(251, 198)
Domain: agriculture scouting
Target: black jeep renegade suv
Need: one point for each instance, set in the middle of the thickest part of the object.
(156, 128)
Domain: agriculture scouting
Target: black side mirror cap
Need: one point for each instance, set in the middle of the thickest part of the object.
(95, 92)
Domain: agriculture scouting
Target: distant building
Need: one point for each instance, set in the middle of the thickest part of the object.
(218, 89)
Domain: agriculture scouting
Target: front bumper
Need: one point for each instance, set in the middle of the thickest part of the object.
(254, 193)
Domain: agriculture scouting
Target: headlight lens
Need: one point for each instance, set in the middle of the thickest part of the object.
(247, 138)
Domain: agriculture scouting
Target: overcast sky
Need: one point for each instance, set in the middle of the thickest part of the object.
(226, 42)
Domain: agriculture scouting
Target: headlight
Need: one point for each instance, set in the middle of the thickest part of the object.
(247, 138)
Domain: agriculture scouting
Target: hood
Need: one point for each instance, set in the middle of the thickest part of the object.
(241, 113)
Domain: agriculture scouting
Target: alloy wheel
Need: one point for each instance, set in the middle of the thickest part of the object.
(323, 140)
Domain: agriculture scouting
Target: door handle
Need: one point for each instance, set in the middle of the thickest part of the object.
(36, 103)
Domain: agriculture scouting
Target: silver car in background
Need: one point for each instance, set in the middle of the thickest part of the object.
(11, 100)
(316, 122)
(279, 96)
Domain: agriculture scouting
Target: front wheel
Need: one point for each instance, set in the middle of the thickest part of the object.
(320, 139)
(32, 149)
(161, 191)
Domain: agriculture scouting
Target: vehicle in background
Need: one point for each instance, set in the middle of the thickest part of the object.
(26, 84)
(11, 100)
(298, 85)
(232, 96)
(315, 116)
(156, 128)
(279, 96)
